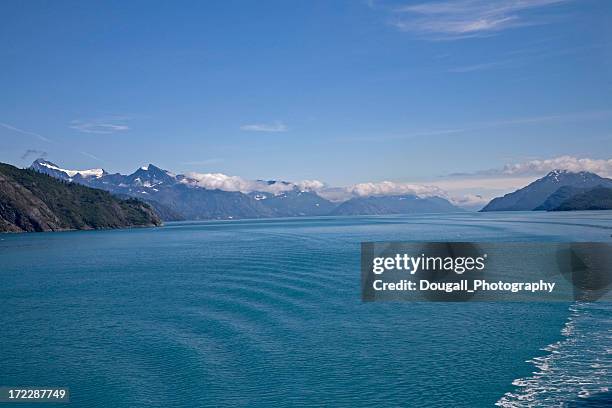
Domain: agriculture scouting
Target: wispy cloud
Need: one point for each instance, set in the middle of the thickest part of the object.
(92, 156)
(98, 126)
(556, 117)
(25, 132)
(567, 117)
(276, 126)
(33, 153)
(522, 57)
(482, 67)
(451, 20)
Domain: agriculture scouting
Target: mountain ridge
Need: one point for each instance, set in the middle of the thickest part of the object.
(32, 201)
(393, 204)
(535, 195)
(182, 197)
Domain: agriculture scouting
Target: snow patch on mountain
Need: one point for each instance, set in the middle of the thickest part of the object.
(71, 173)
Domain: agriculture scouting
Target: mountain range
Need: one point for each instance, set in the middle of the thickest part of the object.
(395, 204)
(182, 197)
(553, 192)
(179, 197)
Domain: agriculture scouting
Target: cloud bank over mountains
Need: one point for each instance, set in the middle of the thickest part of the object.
(603, 167)
(535, 167)
(393, 188)
(236, 183)
(462, 189)
(225, 182)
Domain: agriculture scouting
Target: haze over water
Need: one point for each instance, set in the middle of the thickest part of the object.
(268, 312)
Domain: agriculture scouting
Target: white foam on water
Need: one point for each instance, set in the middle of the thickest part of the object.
(579, 366)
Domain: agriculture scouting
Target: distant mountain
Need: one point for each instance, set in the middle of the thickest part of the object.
(30, 201)
(397, 204)
(598, 198)
(195, 203)
(536, 194)
(294, 203)
(177, 197)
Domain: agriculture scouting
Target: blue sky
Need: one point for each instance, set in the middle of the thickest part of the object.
(339, 91)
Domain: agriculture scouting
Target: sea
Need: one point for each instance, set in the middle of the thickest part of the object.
(267, 313)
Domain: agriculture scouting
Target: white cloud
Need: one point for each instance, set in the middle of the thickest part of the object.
(225, 182)
(92, 156)
(221, 181)
(393, 188)
(265, 127)
(97, 127)
(467, 18)
(389, 188)
(311, 185)
(24, 132)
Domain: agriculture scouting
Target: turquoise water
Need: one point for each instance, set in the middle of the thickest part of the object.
(268, 312)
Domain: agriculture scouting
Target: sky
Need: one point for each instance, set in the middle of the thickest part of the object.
(470, 96)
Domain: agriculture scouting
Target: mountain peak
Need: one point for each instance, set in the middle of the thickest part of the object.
(557, 172)
(151, 175)
(42, 161)
(559, 175)
(152, 168)
(556, 175)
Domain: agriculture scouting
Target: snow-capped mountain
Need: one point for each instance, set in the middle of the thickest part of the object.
(548, 191)
(52, 169)
(218, 196)
(151, 176)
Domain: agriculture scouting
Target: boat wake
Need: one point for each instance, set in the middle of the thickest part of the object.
(577, 371)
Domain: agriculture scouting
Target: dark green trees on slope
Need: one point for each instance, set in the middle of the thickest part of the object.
(598, 198)
(31, 201)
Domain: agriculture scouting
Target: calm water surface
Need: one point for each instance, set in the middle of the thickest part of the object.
(267, 312)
